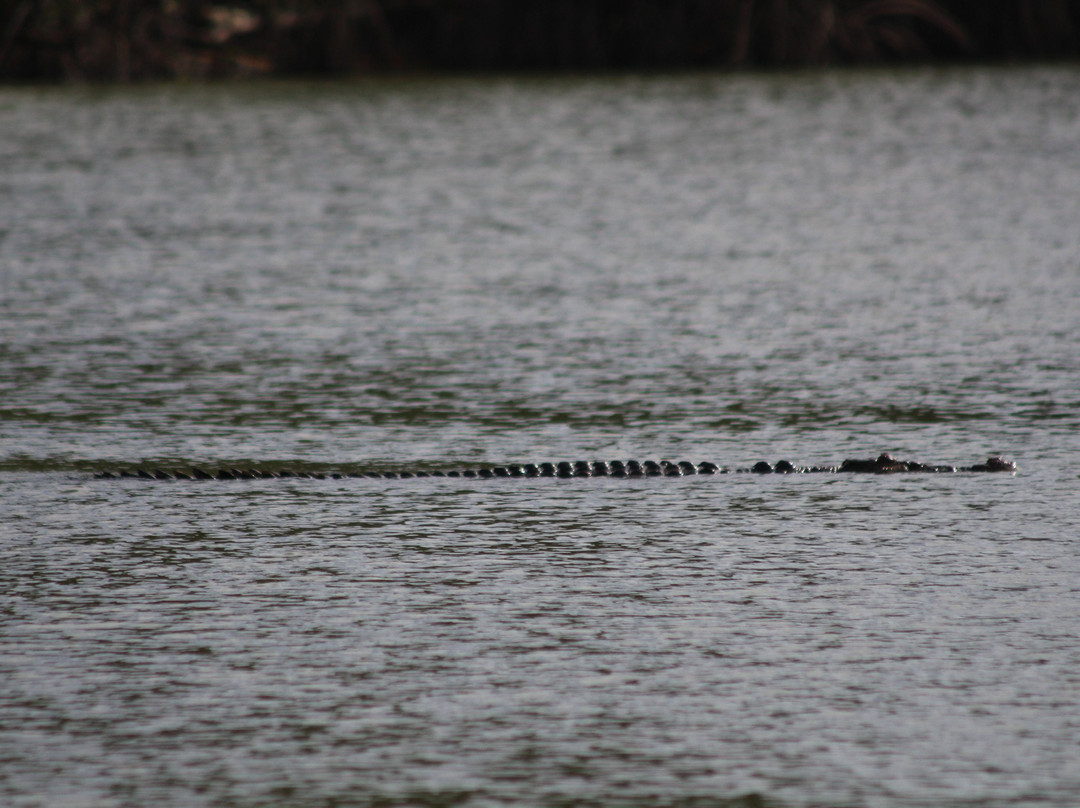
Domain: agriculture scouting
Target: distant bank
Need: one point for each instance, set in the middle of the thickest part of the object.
(132, 40)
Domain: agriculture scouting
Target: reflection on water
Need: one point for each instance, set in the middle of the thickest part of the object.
(385, 274)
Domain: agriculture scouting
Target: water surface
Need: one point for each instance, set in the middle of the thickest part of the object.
(435, 273)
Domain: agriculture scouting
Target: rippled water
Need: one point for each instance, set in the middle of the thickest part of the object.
(437, 273)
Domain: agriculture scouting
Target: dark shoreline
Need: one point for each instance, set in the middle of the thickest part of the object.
(127, 40)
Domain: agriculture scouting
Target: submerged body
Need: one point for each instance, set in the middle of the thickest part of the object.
(883, 464)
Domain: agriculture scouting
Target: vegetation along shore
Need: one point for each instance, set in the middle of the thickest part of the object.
(132, 40)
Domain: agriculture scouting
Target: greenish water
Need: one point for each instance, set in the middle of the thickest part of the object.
(434, 273)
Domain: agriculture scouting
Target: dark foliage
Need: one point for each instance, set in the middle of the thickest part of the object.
(102, 40)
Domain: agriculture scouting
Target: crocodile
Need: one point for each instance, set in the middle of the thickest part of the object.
(882, 464)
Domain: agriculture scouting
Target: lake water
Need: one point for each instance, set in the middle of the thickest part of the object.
(440, 273)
